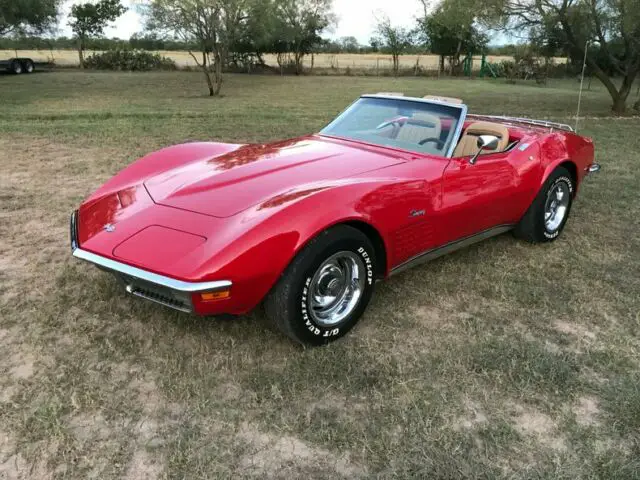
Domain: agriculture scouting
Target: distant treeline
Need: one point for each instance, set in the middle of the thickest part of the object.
(149, 42)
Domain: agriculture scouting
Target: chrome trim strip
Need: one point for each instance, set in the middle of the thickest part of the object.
(450, 247)
(171, 283)
(73, 226)
(530, 121)
(413, 99)
(458, 132)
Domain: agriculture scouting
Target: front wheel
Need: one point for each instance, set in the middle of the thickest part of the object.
(326, 288)
(549, 211)
(28, 66)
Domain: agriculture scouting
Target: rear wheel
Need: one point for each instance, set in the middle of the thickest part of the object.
(549, 212)
(27, 66)
(326, 288)
(16, 67)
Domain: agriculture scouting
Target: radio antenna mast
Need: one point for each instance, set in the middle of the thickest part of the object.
(584, 67)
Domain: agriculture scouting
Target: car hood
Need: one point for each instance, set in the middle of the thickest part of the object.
(228, 184)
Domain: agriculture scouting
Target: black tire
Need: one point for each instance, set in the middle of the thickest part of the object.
(16, 67)
(287, 305)
(532, 227)
(27, 66)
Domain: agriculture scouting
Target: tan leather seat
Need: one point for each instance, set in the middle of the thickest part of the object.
(426, 126)
(468, 144)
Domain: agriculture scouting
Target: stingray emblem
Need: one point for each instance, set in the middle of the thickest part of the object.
(109, 227)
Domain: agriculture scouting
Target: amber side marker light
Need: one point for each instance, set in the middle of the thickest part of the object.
(214, 296)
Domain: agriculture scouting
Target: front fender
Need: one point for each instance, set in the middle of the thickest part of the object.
(271, 234)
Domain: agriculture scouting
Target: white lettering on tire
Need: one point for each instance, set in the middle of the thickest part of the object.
(368, 263)
(305, 315)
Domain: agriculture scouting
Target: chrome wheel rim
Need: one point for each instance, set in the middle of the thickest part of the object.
(336, 288)
(556, 207)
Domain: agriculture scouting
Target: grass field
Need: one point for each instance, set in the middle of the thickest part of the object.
(504, 360)
(323, 60)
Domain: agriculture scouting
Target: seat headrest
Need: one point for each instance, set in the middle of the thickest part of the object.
(425, 117)
(489, 128)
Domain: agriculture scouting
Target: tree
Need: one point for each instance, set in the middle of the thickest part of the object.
(451, 30)
(298, 26)
(395, 40)
(349, 45)
(213, 25)
(254, 35)
(89, 20)
(27, 16)
(613, 24)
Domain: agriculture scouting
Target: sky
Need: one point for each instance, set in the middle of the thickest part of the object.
(356, 18)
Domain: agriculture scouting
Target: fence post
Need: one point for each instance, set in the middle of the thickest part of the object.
(377, 66)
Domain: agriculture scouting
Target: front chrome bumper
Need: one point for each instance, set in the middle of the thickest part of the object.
(167, 291)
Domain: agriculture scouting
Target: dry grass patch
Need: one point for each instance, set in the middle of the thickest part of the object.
(539, 426)
(284, 456)
(586, 411)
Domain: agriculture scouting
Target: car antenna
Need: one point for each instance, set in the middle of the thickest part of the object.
(584, 67)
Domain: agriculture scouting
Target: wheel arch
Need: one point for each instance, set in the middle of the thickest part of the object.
(569, 165)
(374, 235)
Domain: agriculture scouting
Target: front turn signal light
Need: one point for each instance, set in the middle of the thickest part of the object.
(215, 296)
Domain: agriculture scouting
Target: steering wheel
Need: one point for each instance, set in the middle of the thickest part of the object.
(439, 143)
(395, 122)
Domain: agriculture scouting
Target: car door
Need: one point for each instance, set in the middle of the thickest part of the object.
(493, 191)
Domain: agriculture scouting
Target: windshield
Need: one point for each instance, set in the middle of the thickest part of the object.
(418, 126)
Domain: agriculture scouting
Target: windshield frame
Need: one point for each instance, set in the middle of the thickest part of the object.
(454, 139)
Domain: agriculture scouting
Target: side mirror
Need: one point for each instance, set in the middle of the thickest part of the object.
(485, 142)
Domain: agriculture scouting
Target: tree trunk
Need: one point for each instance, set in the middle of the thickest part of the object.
(205, 70)
(620, 96)
(298, 56)
(623, 93)
(81, 53)
(207, 75)
(456, 60)
(217, 73)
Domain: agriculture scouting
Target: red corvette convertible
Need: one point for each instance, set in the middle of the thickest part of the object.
(308, 225)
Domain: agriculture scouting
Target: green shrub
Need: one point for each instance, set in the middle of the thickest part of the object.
(129, 60)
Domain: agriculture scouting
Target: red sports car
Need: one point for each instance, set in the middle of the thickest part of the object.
(309, 225)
